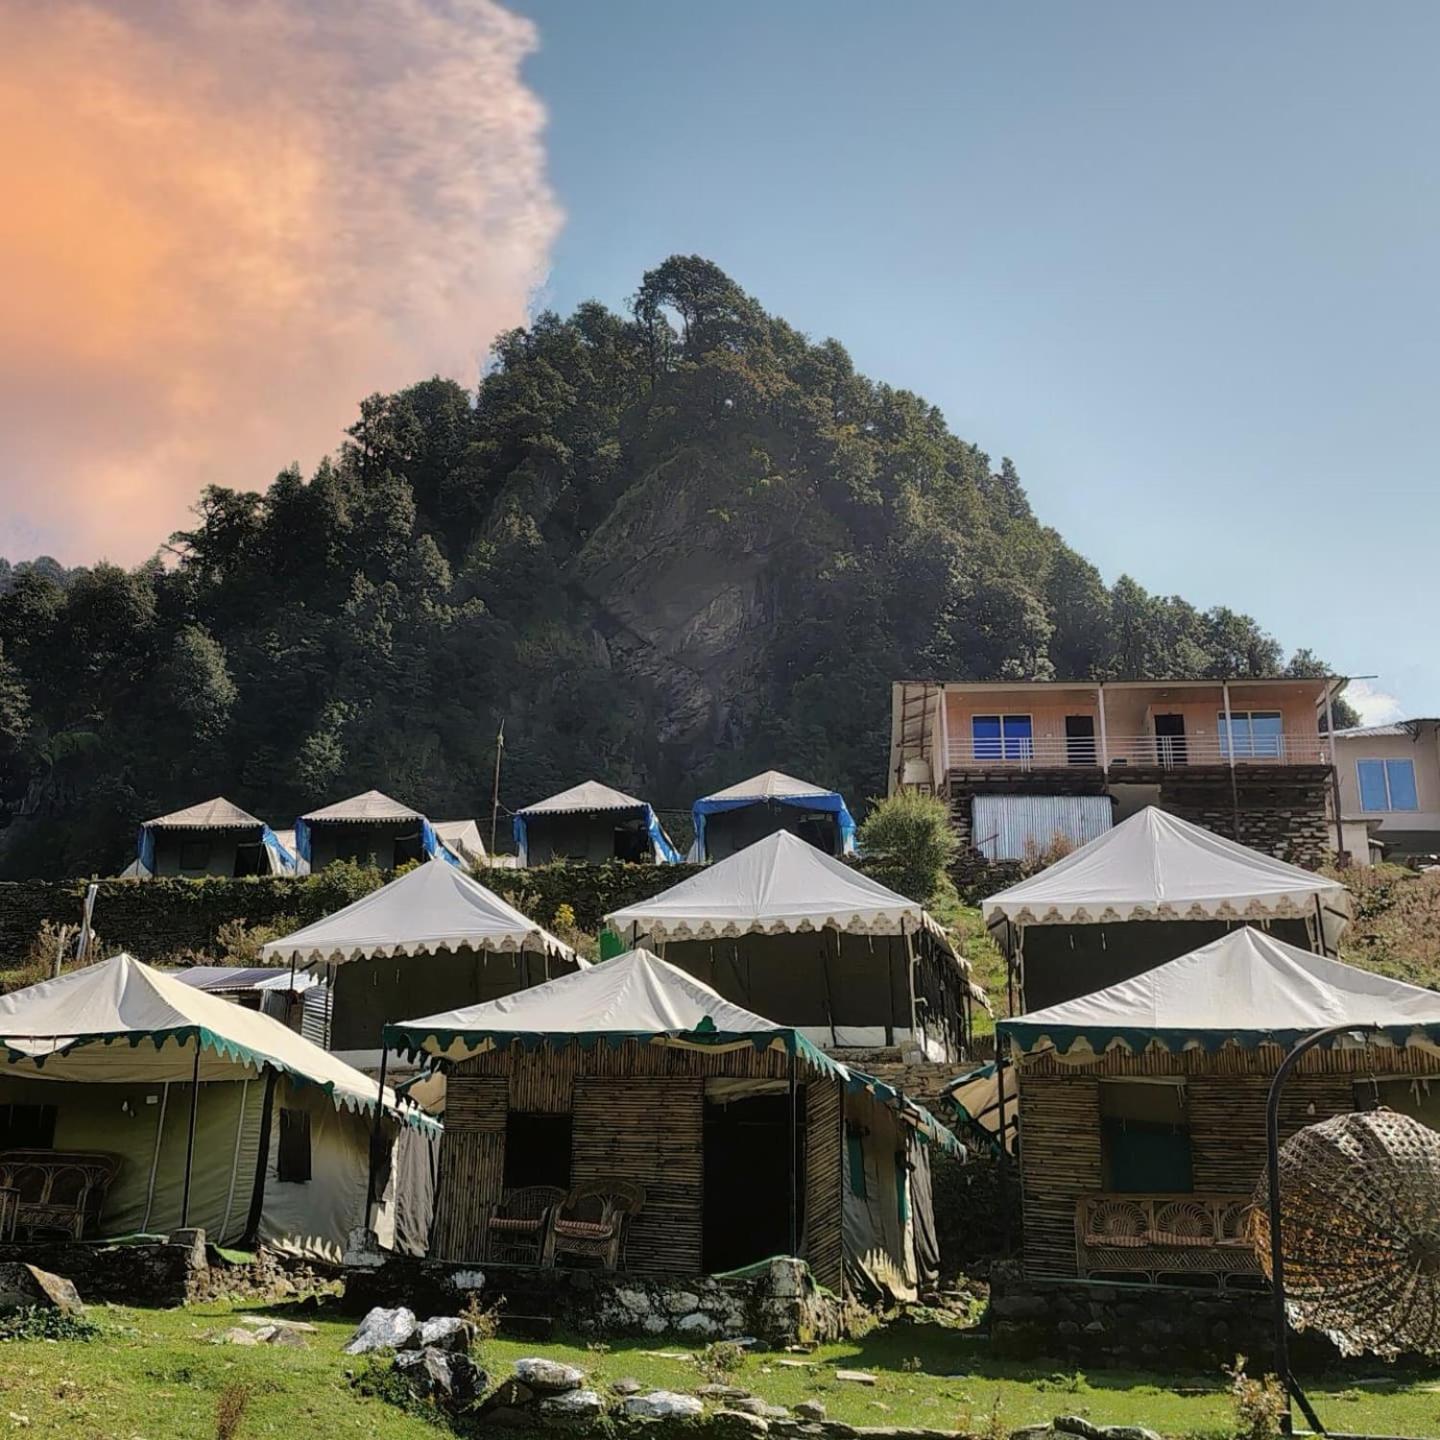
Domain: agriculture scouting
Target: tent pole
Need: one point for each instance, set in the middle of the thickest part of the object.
(375, 1135)
(794, 1163)
(1004, 1152)
(829, 993)
(234, 1162)
(1230, 752)
(262, 1161)
(909, 979)
(155, 1158)
(190, 1137)
(1342, 855)
(1320, 928)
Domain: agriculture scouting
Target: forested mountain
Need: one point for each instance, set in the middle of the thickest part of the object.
(668, 548)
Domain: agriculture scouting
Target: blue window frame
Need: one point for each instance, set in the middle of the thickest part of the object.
(1387, 784)
(1255, 734)
(1001, 737)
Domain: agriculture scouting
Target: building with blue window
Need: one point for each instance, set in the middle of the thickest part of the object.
(1389, 783)
(1030, 768)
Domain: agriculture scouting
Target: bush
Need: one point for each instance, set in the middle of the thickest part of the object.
(43, 1323)
(1260, 1405)
(908, 844)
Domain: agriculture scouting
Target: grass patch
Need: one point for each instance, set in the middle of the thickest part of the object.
(157, 1374)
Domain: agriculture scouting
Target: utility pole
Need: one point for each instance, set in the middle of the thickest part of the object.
(495, 793)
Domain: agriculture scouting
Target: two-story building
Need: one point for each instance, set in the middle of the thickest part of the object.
(1022, 762)
(1389, 784)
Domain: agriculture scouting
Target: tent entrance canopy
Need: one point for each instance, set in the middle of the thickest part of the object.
(1244, 991)
(1155, 866)
(584, 820)
(773, 788)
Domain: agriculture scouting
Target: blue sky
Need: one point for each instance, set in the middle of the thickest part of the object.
(1179, 263)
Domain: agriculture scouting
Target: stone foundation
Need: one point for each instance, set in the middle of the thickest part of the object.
(163, 1276)
(1153, 1327)
(780, 1305)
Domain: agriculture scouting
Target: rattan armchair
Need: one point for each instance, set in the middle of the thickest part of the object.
(590, 1224)
(517, 1230)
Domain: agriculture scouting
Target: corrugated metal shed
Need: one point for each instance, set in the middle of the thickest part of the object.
(1015, 827)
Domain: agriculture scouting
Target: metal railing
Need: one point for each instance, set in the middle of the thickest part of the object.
(1168, 752)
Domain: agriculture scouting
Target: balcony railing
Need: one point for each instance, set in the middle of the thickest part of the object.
(1154, 1235)
(1167, 752)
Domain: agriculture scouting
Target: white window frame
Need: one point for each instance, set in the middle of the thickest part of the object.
(1385, 762)
(1225, 729)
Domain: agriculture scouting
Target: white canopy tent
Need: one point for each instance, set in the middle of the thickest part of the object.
(479, 946)
(462, 839)
(1245, 990)
(123, 1028)
(1155, 866)
(815, 941)
(557, 827)
(729, 819)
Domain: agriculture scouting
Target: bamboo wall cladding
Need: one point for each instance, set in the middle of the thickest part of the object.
(824, 1197)
(1060, 1148)
(472, 1165)
(651, 1132)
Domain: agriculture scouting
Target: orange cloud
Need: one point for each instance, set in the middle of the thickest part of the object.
(224, 221)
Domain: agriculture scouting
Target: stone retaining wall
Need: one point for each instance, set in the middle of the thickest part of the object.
(780, 1305)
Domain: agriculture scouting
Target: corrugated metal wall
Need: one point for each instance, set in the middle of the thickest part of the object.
(1014, 827)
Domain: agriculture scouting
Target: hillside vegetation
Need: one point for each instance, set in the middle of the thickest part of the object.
(667, 548)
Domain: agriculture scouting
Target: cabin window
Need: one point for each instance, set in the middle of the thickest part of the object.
(194, 854)
(27, 1127)
(1387, 784)
(293, 1166)
(537, 1150)
(1001, 737)
(1254, 734)
(1144, 1138)
(855, 1160)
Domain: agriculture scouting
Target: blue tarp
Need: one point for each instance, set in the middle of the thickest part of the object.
(663, 847)
(830, 803)
(282, 857)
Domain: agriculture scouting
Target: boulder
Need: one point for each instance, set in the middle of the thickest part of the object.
(856, 1377)
(721, 1392)
(755, 1405)
(663, 1405)
(451, 1381)
(25, 1287)
(548, 1377)
(697, 1322)
(444, 1332)
(382, 1329)
(238, 1335)
(1078, 1425)
(574, 1405)
(1129, 1432)
(266, 1322)
(509, 1394)
(810, 1410)
(626, 1386)
(737, 1425)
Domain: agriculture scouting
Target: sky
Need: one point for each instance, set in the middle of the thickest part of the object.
(1178, 263)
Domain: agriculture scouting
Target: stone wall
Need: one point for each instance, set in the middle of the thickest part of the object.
(1280, 810)
(164, 1275)
(780, 1304)
(1098, 1325)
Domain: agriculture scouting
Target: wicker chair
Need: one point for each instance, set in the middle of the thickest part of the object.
(56, 1191)
(590, 1224)
(517, 1230)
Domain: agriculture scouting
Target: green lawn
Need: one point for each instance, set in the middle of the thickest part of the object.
(155, 1375)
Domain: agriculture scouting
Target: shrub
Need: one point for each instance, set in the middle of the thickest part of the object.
(909, 845)
(37, 1323)
(1260, 1405)
(230, 1409)
(719, 1360)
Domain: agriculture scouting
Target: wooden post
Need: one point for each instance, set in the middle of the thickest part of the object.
(376, 1136)
(262, 1161)
(909, 979)
(1104, 738)
(495, 790)
(1342, 855)
(794, 1165)
(190, 1137)
(1230, 751)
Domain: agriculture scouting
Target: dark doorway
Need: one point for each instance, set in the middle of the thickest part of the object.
(537, 1150)
(1170, 739)
(632, 843)
(1080, 739)
(747, 1179)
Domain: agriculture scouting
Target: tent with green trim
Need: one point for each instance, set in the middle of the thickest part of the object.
(123, 1060)
(1244, 990)
(603, 1025)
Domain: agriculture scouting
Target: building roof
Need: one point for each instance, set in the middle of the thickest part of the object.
(70, 1028)
(1155, 866)
(588, 795)
(1407, 728)
(371, 805)
(777, 885)
(1333, 683)
(769, 785)
(1245, 989)
(216, 814)
(635, 996)
(431, 908)
(233, 979)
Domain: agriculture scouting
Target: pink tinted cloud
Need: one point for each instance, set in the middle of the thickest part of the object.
(225, 221)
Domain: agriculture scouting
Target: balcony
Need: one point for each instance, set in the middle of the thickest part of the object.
(1141, 752)
(1169, 1236)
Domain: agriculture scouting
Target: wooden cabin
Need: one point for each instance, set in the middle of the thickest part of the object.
(721, 1138)
(1142, 1107)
